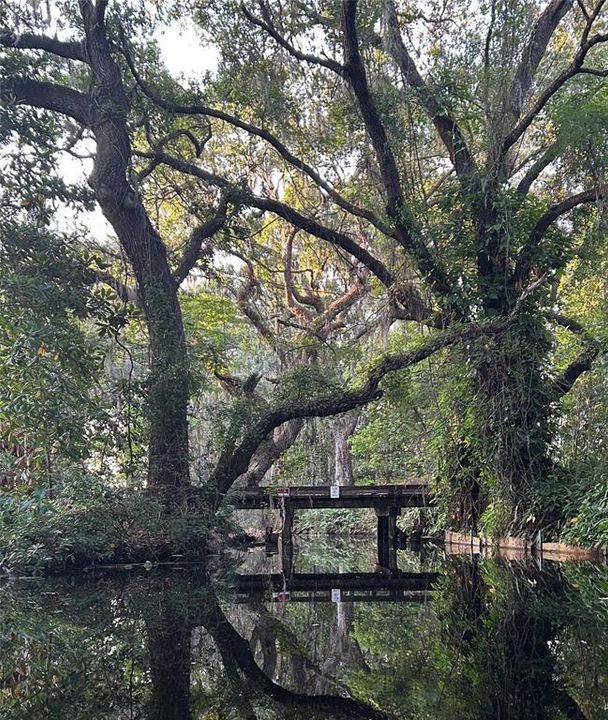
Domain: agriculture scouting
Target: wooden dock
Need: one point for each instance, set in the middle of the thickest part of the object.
(322, 496)
(387, 501)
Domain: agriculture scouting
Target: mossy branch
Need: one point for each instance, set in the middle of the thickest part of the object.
(235, 461)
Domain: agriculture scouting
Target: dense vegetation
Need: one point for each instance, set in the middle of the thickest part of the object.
(356, 242)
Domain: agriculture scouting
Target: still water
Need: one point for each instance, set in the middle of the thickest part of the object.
(449, 637)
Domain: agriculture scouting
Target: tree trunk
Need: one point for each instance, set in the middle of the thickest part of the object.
(121, 203)
(504, 458)
(343, 428)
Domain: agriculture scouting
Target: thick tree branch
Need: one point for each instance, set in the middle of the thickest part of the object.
(47, 96)
(446, 126)
(193, 248)
(564, 382)
(592, 349)
(354, 71)
(534, 52)
(532, 174)
(406, 303)
(526, 257)
(270, 450)
(28, 41)
(567, 322)
(235, 461)
(397, 210)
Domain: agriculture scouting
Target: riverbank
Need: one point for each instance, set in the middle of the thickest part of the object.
(514, 548)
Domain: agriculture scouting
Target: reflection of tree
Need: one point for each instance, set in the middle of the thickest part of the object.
(282, 653)
(169, 645)
(109, 651)
(499, 629)
(343, 648)
(236, 653)
(170, 619)
(495, 644)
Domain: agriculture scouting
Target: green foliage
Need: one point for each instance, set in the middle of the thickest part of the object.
(47, 356)
(88, 523)
(343, 522)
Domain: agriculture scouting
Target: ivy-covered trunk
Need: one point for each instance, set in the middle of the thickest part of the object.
(514, 423)
(168, 391)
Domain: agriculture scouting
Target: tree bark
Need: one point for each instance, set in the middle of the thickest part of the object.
(343, 428)
(168, 384)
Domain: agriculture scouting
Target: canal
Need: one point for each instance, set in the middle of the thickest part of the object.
(454, 637)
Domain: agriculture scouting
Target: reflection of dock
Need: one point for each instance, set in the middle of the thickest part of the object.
(361, 587)
(386, 500)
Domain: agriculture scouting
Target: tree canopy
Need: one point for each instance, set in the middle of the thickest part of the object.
(345, 204)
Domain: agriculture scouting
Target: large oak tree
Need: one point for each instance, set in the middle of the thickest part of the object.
(432, 152)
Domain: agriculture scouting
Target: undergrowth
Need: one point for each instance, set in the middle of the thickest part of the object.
(100, 526)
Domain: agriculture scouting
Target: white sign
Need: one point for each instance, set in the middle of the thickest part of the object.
(283, 492)
(334, 491)
(336, 595)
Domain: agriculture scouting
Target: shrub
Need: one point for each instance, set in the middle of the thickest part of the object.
(103, 526)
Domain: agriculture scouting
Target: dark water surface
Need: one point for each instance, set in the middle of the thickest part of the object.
(468, 639)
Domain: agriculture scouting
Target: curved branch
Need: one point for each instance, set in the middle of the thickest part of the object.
(526, 256)
(268, 26)
(567, 322)
(281, 149)
(573, 69)
(47, 96)
(28, 41)
(125, 292)
(275, 444)
(242, 298)
(195, 243)
(340, 306)
(592, 349)
(285, 211)
(564, 382)
(537, 168)
(234, 462)
(293, 295)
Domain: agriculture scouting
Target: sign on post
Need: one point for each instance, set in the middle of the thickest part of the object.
(334, 491)
(336, 595)
(283, 492)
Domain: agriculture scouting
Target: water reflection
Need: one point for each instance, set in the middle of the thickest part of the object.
(493, 640)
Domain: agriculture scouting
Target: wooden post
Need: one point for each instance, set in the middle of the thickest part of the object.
(287, 540)
(383, 546)
(393, 514)
(387, 537)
